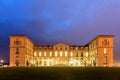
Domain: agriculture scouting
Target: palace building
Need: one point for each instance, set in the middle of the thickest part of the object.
(98, 52)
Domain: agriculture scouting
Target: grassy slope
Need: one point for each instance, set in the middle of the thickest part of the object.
(59, 73)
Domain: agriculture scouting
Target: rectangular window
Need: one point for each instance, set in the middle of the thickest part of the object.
(81, 54)
(56, 54)
(76, 48)
(17, 50)
(50, 54)
(76, 54)
(45, 54)
(71, 54)
(40, 54)
(17, 42)
(105, 50)
(34, 53)
(66, 53)
(17, 62)
(60, 53)
(86, 54)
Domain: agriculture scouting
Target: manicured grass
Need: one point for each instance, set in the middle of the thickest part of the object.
(60, 73)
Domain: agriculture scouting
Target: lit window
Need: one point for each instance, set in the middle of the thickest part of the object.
(50, 53)
(86, 54)
(60, 53)
(56, 53)
(40, 54)
(71, 54)
(45, 54)
(76, 48)
(66, 53)
(34, 53)
(105, 50)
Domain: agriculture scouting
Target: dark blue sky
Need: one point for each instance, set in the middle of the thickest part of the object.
(53, 21)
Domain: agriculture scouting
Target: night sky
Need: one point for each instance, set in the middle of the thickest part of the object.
(53, 21)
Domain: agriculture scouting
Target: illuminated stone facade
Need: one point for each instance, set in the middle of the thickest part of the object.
(98, 52)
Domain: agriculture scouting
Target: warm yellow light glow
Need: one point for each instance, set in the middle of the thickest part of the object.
(50, 53)
(60, 53)
(86, 54)
(71, 62)
(86, 61)
(34, 53)
(40, 54)
(66, 53)
(105, 50)
(56, 54)
(45, 54)
(71, 54)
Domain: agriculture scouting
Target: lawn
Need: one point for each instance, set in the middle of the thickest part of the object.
(60, 73)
